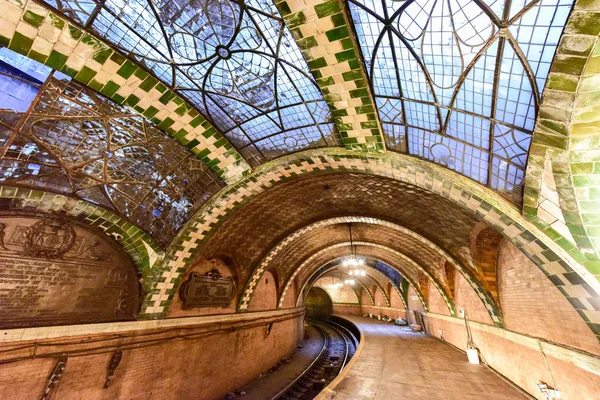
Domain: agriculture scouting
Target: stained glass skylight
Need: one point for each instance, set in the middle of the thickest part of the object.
(59, 136)
(459, 82)
(235, 61)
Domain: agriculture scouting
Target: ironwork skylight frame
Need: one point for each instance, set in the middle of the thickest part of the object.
(76, 142)
(248, 133)
(377, 26)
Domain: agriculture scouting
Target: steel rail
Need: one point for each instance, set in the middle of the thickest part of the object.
(312, 364)
(346, 336)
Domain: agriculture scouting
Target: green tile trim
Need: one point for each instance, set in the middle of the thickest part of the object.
(340, 74)
(567, 137)
(34, 31)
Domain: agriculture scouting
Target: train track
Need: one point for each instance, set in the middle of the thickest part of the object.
(339, 345)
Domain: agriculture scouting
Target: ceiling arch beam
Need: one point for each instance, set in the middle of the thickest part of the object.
(35, 31)
(365, 287)
(333, 264)
(482, 203)
(310, 261)
(372, 269)
(370, 280)
(324, 287)
(382, 290)
(340, 73)
(486, 298)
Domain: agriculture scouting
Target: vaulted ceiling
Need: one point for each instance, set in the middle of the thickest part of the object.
(258, 130)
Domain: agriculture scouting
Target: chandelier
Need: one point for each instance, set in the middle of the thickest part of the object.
(353, 261)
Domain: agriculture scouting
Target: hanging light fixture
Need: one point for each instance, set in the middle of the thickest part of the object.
(353, 261)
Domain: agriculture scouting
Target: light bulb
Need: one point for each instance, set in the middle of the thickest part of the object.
(361, 261)
(351, 272)
(345, 263)
(363, 273)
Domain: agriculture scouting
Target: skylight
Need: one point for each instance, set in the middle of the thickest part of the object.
(458, 82)
(59, 136)
(235, 61)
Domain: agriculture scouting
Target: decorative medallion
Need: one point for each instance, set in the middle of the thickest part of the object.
(50, 238)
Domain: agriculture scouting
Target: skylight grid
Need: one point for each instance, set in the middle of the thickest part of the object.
(476, 93)
(470, 129)
(475, 69)
(505, 176)
(234, 62)
(421, 115)
(74, 141)
(390, 110)
(515, 103)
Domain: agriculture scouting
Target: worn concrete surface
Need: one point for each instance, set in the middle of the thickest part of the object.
(400, 364)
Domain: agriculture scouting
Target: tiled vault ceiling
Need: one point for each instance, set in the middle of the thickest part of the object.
(297, 251)
(456, 82)
(257, 226)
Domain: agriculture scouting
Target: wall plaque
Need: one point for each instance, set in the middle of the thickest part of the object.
(210, 290)
(56, 272)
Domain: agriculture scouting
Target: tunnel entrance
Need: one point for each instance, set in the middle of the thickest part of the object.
(318, 304)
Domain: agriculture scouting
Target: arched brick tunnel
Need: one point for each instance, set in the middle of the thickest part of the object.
(186, 186)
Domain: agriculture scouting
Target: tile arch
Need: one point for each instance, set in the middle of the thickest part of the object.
(371, 271)
(408, 262)
(332, 264)
(467, 274)
(578, 283)
(562, 174)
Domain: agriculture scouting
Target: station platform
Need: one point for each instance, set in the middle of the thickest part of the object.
(397, 363)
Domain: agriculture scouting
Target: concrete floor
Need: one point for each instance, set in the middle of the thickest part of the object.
(400, 364)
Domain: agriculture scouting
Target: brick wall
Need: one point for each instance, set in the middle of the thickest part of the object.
(436, 302)
(396, 309)
(413, 304)
(466, 298)
(202, 267)
(521, 364)
(194, 368)
(347, 309)
(290, 297)
(531, 304)
(364, 298)
(397, 304)
(391, 312)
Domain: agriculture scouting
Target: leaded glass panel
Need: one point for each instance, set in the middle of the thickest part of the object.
(63, 137)
(459, 82)
(235, 61)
